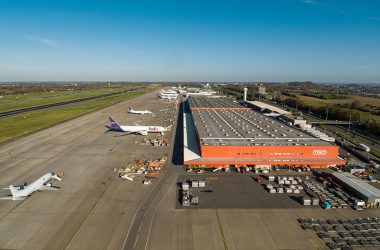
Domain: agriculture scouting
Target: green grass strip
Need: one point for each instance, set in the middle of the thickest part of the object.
(14, 126)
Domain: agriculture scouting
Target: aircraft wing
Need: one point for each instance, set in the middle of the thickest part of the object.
(10, 197)
(142, 132)
(124, 134)
(44, 187)
(7, 198)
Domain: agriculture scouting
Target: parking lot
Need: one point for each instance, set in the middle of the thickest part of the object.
(236, 191)
(360, 232)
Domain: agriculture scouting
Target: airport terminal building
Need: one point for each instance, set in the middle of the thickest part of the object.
(219, 132)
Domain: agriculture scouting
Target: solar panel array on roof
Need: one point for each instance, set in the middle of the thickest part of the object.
(242, 127)
(212, 102)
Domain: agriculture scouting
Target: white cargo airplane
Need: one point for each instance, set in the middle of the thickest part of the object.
(141, 112)
(168, 97)
(22, 191)
(142, 130)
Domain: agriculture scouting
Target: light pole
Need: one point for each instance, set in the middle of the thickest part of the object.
(349, 124)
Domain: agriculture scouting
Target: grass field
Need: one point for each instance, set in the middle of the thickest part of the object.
(14, 126)
(350, 98)
(12, 102)
(365, 116)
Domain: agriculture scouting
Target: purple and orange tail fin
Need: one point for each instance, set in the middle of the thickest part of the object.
(114, 124)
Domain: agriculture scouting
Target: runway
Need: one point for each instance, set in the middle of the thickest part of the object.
(93, 208)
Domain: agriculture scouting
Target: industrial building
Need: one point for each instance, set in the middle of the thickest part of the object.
(219, 132)
(267, 108)
(361, 189)
(353, 169)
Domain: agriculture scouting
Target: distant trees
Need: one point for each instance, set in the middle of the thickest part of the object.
(354, 111)
(22, 88)
(356, 104)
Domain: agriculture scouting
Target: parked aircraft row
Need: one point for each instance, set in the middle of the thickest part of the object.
(168, 94)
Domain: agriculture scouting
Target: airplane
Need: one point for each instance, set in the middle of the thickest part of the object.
(142, 130)
(129, 177)
(22, 191)
(167, 97)
(141, 112)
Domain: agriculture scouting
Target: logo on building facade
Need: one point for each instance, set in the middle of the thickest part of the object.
(320, 152)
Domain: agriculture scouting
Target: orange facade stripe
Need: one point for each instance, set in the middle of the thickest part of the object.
(207, 108)
(271, 152)
(273, 163)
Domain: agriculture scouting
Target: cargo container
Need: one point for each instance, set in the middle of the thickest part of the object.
(194, 201)
(194, 184)
(272, 191)
(280, 190)
(288, 190)
(296, 191)
(185, 186)
(270, 178)
(315, 201)
(306, 201)
(202, 184)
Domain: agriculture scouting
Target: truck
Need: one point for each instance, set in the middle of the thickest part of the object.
(364, 147)
(326, 205)
(359, 203)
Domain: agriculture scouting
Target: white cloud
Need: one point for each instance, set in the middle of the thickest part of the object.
(49, 42)
(44, 41)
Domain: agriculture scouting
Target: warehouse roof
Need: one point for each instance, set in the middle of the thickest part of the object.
(203, 102)
(359, 185)
(247, 127)
(264, 106)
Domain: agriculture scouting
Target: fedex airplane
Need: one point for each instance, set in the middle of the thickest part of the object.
(22, 191)
(141, 112)
(142, 130)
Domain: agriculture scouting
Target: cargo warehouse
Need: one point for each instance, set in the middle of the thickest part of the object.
(219, 132)
(361, 189)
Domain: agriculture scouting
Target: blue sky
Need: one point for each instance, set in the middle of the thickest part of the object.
(142, 40)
